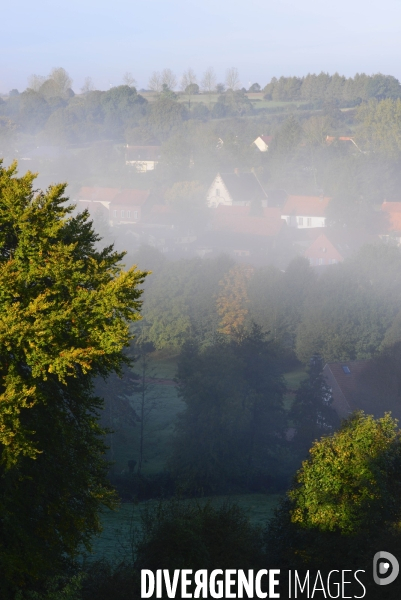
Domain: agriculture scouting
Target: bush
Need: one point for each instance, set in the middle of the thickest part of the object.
(186, 535)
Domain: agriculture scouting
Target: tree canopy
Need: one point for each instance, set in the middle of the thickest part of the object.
(65, 310)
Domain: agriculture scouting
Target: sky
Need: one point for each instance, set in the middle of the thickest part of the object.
(261, 38)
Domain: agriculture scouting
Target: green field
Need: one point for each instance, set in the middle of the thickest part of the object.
(256, 99)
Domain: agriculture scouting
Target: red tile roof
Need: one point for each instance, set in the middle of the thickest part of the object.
(101, 194)
(239, 219)
(322, 247)
(330, 139)
(131, 196)
(266, 138)
(393, 212)
(113, 195)
(306, 206)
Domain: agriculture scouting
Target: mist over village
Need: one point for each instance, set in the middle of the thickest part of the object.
(200, 315)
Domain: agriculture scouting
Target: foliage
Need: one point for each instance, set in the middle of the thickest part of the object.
(180, 301)
(347, 314)
(311, 413)
(64, 314)
(277, 299)
(232, 301)
(380, 129)
(165, 115)
(317, 88)
(186, 197)
(343, 504)
(179, 534)
(104, 580)
(351, 481)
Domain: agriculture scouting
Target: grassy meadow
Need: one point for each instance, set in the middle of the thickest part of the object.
(122, 525)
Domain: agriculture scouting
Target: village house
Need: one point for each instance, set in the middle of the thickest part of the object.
(366, 385)
(119, 207)
(344, 381)
(238, 231)
(143, 158)
(322, 251)
(330, 139)
(236, 189)
(263, 142)
(324, 246)
(305, 211)
(391, 212)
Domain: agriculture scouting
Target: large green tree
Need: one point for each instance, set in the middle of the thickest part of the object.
(65, 310)
(344, 503)
(231, 431)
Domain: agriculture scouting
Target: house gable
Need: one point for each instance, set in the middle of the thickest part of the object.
(323, 252)
(218, 193)
(235, 189)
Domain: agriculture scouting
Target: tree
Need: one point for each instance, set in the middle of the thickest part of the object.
(35, 82)
(311, 412)
(288, 136)
(186, 197)
(58, 83)
(128, 79)
(208, 82)
(232, 301)
(181, 534)
(155, 82)
(62, 79)
(165, 115)
(88, 85)
(64, 319)
(180, 300)
(7, 129)
(231, 430)
(351, 481)
(169, 79)
(122, 106)
(145, 400)
(380, 127)
(344, 503)
(232, 79)
(255, 87)
(189, 85)
(316, 130)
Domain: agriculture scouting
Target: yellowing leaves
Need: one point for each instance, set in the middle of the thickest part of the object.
(65, 309)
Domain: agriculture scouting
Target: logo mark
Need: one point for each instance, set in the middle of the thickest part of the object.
(385, 568)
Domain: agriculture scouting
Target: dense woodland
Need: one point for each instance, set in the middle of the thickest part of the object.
(242, 407)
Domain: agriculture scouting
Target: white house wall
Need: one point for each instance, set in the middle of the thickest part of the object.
(302, 222)
(142, 166)
(261, 145)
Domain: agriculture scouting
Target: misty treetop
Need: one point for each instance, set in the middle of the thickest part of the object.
(349, 312)
(322, 88)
